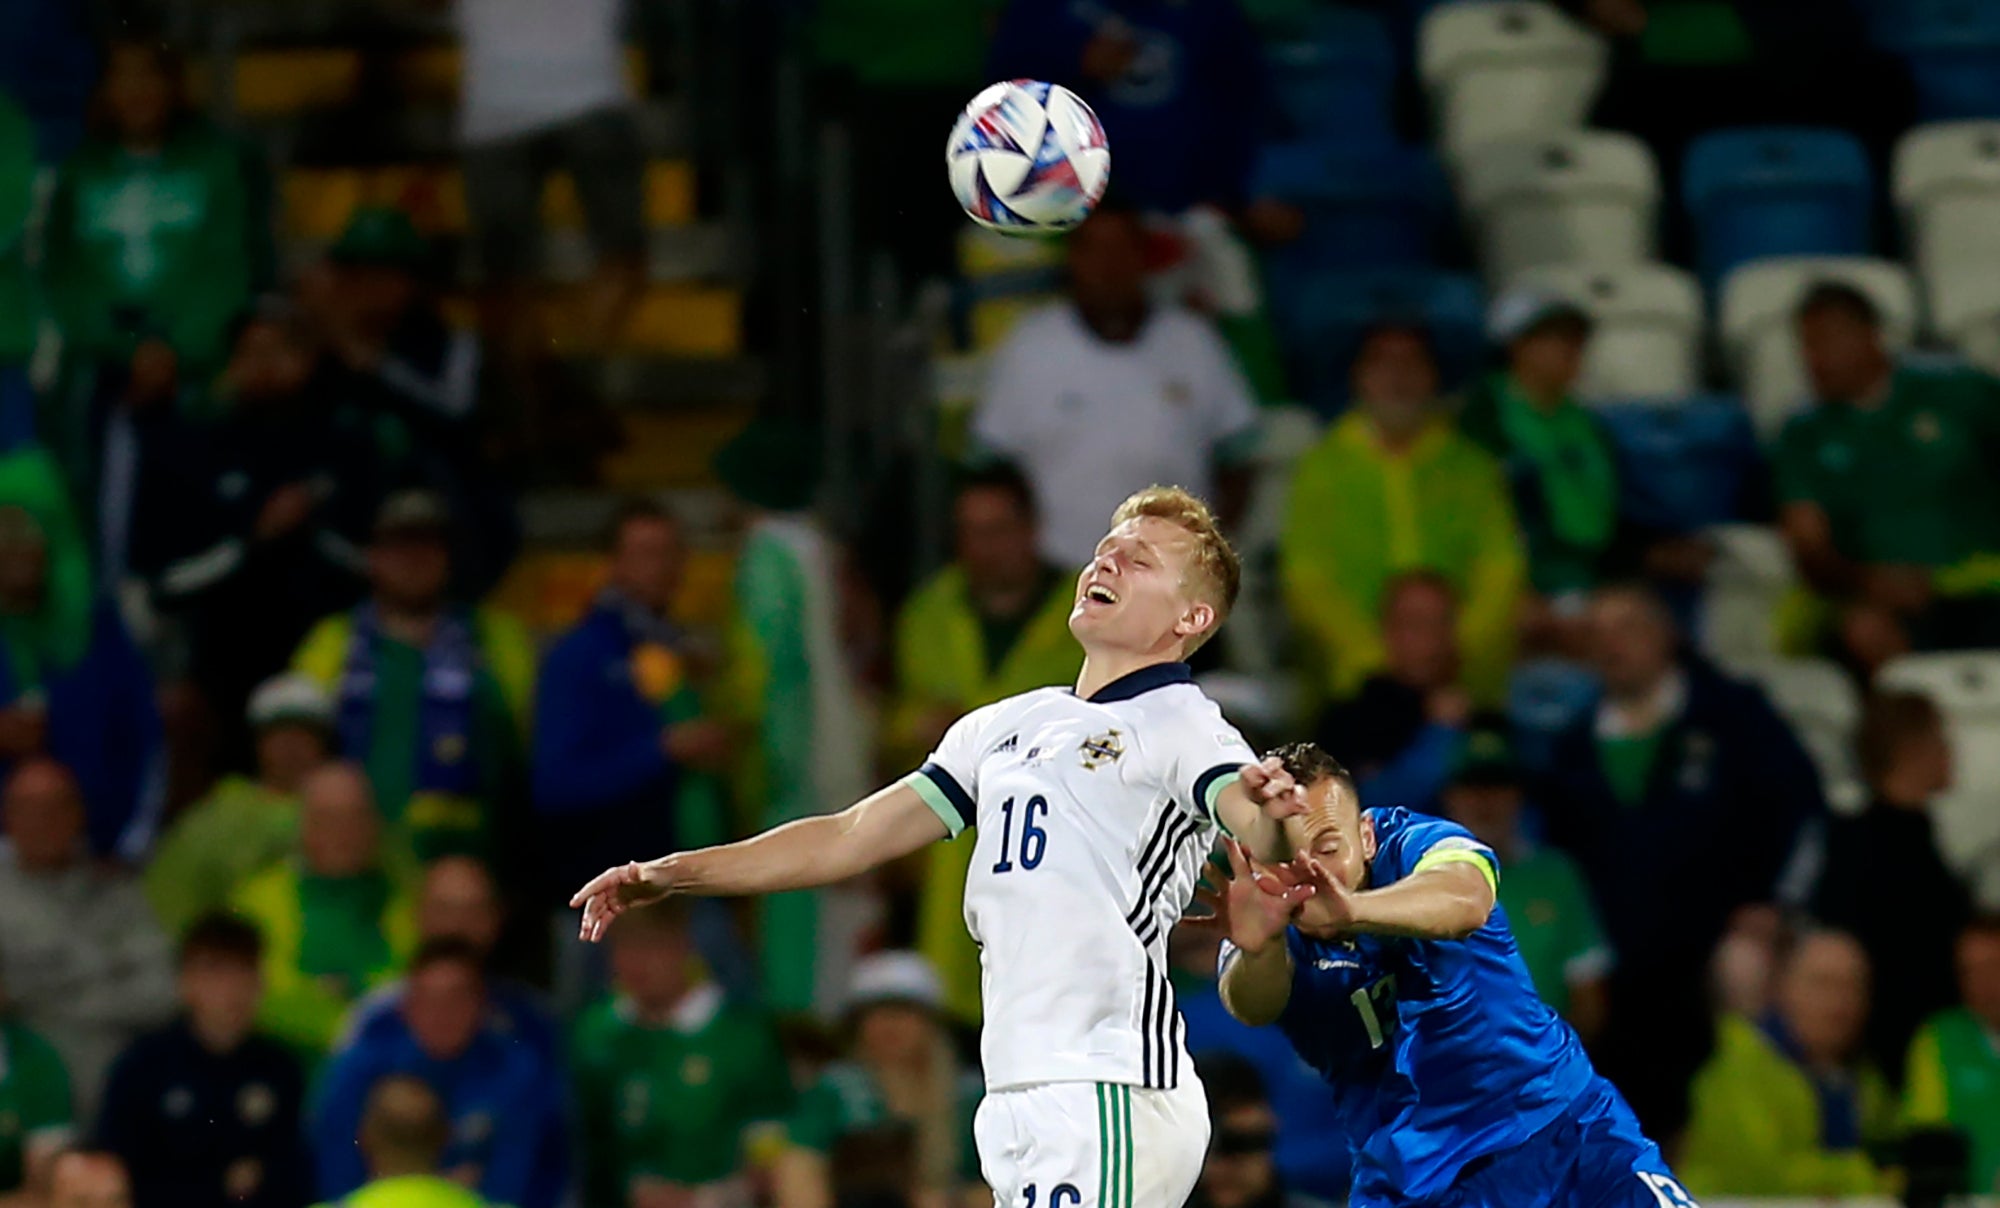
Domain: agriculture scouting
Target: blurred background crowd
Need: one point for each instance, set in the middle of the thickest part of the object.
(448, 448)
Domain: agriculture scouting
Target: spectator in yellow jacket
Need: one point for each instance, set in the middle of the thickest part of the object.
(1787, 1104)
(1954, 1070)
(336, 922)
(1392, 487)
(992, 624)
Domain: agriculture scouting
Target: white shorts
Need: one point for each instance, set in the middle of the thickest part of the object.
(1092, 1145)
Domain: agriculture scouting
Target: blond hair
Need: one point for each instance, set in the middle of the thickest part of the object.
(1215, 573)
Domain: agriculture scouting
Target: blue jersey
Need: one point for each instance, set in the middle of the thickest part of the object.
(1439, 1052)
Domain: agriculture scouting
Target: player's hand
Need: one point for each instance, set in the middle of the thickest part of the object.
(1273, 788)
(1253, 908)
(616, 890)
(1332, 908)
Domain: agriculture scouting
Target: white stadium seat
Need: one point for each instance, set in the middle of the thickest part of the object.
(1761, 336)
(1824, 710)
(1966, 687)
(1506, 69)
(1648, 336)
(1964, 302)
(1588, 197)
(1947, 184)
(1750, 577)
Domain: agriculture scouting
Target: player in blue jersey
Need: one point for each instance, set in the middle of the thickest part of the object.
(1382, 954)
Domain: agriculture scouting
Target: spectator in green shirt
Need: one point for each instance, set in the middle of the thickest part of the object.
(676, 1086)
(335, 922)
(901, 1070)
(1886, 486)
(35, 1119)
(404, 1132)
(1953, 1075)
(432, 697)
(1547, 902)
(246, 823)
(1557, 456)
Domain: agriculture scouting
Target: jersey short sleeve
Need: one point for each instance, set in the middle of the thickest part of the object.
(1202, 754)
(1417, 843)
(948, 780)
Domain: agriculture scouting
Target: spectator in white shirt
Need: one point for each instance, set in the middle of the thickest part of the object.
(1111, 392)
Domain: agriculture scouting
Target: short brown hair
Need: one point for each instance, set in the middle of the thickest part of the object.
(1217, 569)
(1888, 720)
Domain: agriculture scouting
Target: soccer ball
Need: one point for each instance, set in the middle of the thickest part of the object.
(1028, 157)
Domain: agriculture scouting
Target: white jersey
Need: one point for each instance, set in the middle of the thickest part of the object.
(1092, 818)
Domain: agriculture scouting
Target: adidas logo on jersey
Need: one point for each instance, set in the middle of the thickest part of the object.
(1012, 742)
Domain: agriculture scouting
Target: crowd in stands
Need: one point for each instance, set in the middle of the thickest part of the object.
(291, 803)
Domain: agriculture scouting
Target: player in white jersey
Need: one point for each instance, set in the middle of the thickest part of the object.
(1093, 810)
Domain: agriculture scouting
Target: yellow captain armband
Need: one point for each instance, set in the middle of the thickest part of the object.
(1457, 849)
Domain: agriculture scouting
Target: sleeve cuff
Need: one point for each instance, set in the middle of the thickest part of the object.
(1478, 857)
(1209, 785)
(941, 791)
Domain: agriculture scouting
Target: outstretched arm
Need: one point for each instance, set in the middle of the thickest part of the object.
(1252, 808)
(1447, 901)
(798, 855)
(1252, 914)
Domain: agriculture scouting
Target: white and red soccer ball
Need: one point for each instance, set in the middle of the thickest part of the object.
(1028, 157)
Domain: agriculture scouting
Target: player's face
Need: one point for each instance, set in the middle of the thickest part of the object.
(1333, 831)
(1134, 597)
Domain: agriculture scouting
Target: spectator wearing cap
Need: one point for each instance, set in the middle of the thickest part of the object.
(1953, 1074)
(625, 751)
(1885, 488)
(676, 1086)
(458, 901)
(1241, 1171)
(34, 1106)
(1682, 785)
(1394, 487)
(149, 240)
(901, 1068)
(247, 519)
(800, 628)
(508, 1135)
(1884, 880)
(73, 683)
(245, 824)
(83, 960)
(336, 917)
(1107, 393)
(1789, 1104)
(1548, 904)
(1401, 733)
(207, 1110)
(1557, 456)
(431, 697)
(992, 624)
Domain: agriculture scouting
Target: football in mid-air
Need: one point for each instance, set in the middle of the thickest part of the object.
(1028, 157)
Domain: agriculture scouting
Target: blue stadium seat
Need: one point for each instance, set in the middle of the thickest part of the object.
(1953, 48)
(1333, 78)
(1776, 191)
(1324, 325)
(1682, 465)
(1544, 698)
(1364, 210)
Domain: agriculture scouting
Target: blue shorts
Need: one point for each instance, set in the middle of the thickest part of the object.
(1593, 1156)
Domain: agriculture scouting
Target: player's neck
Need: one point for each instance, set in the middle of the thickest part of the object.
(1102, 667)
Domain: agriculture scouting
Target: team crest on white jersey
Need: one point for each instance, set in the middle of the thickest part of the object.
(1105, 748)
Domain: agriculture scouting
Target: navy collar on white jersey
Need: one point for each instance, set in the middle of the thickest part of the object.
(1145, 679)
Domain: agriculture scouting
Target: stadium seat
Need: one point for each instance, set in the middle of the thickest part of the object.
(1507, 69)
(1323, 329)
(1683, 465)
(1760, 336)
(1587, 197)
(1819, 701)
(1947, 185)
(1964, 306)
(1748, 581)
(1953, 49)
(319, 201)
(1966, 687)
(1333, 79)
(1544, 698)
(1647, 342)
(1776, 191)
(1363, 210)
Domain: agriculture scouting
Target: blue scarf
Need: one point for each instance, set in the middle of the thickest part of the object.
(445, 717)
(1839, 1104)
